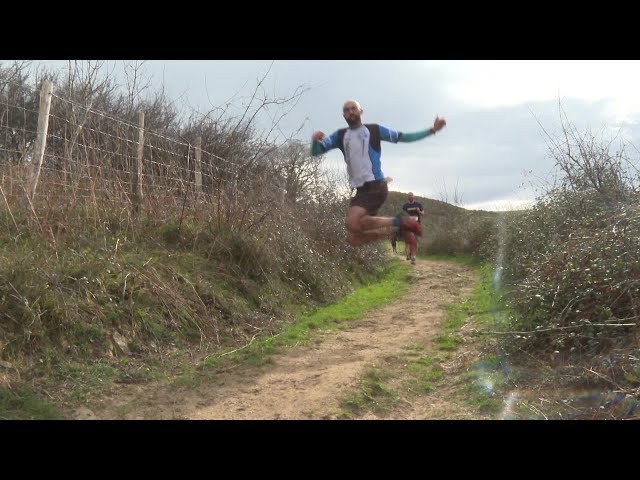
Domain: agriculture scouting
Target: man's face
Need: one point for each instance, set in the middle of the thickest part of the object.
(410, 197)
(351, 112)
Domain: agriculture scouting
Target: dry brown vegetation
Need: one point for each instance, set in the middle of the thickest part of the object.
(236, 230)
(218, 248)
(571, 266)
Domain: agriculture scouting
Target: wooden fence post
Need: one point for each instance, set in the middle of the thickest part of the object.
(197, 166)
(41, 140)
(137, 180)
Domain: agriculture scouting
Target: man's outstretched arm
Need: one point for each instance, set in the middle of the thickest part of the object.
(438, 125)
(316, 148)
(321, 143)
(413, 136)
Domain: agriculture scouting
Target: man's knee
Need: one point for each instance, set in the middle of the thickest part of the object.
(353, 225)
(410, 239)
(354, 240)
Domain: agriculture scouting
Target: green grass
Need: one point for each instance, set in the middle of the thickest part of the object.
(422, 374)
(415, 349)
(459, 259)
(393, 285)
(190, 378)
(86, 380)
(419, 373)
(447, 342)
(354, 306)
(484, 384)
(484, 305)
(381, 387)
(371, 393)
(482, 387)
(21, 404)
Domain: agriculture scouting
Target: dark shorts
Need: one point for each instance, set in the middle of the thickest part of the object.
(371, 196)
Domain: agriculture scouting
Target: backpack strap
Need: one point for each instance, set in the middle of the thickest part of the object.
(374, 136)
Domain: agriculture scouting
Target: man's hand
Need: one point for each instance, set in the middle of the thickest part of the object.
(318, 136)
(439, 124)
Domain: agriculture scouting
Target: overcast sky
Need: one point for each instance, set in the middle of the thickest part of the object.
(491, 150)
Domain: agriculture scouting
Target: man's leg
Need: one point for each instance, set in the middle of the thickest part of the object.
(407, 245)
(411, 246)
(363, 228)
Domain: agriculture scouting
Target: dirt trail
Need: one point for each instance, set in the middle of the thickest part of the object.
(307, 382)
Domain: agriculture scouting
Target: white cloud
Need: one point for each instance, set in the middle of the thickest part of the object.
(492, 109)
(501, 205)
(491, 84)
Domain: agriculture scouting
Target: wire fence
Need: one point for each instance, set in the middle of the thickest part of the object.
(90, 155)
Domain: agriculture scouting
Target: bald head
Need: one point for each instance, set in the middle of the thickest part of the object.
(351, 111)
(350, 104)
(410, 196)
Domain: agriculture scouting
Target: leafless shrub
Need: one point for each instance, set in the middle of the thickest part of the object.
(573, 260)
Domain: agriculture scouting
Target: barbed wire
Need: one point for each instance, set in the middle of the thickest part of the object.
(24, 86)
(133, 125)
(96, 152)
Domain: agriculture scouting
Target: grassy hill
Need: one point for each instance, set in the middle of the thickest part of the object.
(448, 229)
